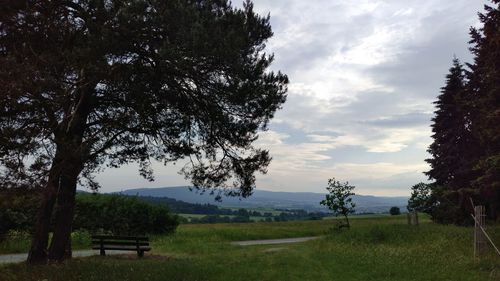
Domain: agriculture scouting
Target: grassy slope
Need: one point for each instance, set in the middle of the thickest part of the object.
(374, 249)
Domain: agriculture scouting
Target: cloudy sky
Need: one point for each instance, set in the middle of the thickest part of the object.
(363, 76)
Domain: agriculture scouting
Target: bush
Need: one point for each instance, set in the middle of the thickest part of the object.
(394, 211)
(94, 213)
(15, 241)
(118, 214)
(81, 238)
(18, 209)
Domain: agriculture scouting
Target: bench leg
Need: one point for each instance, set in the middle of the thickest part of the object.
(140, 254)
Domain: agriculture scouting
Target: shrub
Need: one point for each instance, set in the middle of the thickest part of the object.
(395, 211)
(18, 209)
(118, 214)
(81, 238)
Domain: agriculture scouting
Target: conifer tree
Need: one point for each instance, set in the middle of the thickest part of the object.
(453, 150)
(485, 88)
(453, 147)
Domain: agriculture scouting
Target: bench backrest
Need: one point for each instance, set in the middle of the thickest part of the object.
(120, 240)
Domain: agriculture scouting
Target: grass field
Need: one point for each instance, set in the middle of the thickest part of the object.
(381, 248)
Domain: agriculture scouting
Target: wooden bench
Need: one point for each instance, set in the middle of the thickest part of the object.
(120, 243)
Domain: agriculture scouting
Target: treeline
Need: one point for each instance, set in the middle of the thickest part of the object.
(96, 213)
(181, 207)
(217, 219)
(298, 214)
(465, 162)
(253, 216)
(215, 214)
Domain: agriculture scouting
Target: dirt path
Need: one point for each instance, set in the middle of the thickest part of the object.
(274, 241)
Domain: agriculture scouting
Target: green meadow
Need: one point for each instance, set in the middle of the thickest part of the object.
(375, 248)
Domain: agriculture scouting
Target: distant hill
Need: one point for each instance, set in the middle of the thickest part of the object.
(270, 199)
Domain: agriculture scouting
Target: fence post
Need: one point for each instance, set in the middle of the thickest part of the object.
(412, 218)
(479, 237)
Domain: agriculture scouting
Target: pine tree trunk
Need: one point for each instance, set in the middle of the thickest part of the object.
(40, 238)
(60, 246)
(38, 250)
(72, 165)
(68, 252)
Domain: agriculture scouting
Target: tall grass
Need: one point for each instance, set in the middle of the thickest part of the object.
(14, 242)
(377, 249)
(19, 242)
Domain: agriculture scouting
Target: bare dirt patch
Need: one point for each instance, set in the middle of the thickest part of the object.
(275, 249)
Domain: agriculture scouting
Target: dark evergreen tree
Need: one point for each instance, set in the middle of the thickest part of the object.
(90, 83)
(466, 147)
(485, 87)
(453, 148)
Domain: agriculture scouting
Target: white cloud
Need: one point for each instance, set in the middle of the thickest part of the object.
(367, 81)
(363, 77)
(376, 171)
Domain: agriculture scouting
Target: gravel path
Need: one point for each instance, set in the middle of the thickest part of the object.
(16, 258)
(274, 241)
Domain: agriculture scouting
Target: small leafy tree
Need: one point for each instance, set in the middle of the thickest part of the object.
(421, 198)
(441, 203)
(339, 199)
(394, 211)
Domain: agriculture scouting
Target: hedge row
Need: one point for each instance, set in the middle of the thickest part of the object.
(96, 213)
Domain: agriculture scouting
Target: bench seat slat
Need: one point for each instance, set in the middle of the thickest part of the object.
(112, 247)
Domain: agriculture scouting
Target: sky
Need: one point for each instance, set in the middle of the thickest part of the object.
(363, 76)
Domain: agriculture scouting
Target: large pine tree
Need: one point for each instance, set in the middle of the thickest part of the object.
(453, 147)
(466, 149)
(88, 84)
(485, 87)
